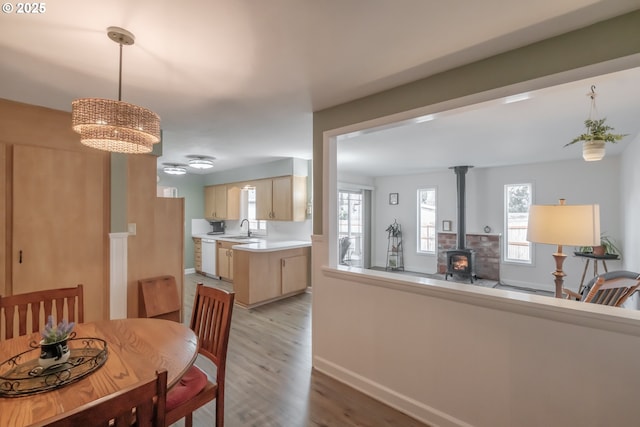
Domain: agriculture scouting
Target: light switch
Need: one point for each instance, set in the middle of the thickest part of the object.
(132, 229)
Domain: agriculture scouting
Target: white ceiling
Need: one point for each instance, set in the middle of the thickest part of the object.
(239, 79)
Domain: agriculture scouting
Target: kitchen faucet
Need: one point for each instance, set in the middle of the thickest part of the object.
(248, 229)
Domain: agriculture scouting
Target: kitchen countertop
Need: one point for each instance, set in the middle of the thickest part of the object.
(272, 246)
(256, 244)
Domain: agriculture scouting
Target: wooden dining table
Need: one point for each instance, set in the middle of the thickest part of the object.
(137, 348)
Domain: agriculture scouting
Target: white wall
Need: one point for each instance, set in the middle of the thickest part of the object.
(458, 355)
(630, 202)
(578, 181)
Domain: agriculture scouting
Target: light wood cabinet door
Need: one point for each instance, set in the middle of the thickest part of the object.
(210, 202)
(282, 202)
(221, 202)
(294, 273)
(233, 201)
(264, 193)
(215, 202)
(58, 235)
(225, 260)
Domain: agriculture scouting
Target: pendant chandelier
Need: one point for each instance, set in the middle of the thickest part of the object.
(115, 126)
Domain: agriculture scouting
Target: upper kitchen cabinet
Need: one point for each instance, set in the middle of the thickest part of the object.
(281, 199)
(222, 202)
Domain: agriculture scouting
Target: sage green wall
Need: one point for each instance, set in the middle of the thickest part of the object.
(604, 41)
(282, 167)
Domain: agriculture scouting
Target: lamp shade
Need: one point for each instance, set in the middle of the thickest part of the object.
(570, 225)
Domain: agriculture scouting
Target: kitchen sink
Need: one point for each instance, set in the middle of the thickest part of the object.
(239, 237)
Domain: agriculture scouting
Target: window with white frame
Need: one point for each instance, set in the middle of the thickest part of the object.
(517, 199)
(427, 220)
(258, 226)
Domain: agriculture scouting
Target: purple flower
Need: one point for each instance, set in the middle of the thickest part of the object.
(51, 334)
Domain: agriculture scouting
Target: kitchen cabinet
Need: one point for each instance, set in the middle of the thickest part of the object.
(262, 277)
(197, 254)
(295, 270)
(222, 202)
(282, 198)
(225, 260)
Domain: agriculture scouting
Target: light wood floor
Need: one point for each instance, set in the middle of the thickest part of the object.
(270, 381)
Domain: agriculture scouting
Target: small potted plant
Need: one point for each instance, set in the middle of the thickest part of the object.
(607, 247)
(593, 141)
(54, 349)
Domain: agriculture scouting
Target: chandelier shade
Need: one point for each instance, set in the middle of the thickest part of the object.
(115, 126)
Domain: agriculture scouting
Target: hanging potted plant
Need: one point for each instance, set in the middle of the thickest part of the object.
(593, 141)
(597, 135)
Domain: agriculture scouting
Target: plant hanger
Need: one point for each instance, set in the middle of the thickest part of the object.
(598, 133)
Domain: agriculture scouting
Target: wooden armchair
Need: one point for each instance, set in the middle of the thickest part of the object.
(611, 288)
(141, 405)
(211, 321)
(32, 309)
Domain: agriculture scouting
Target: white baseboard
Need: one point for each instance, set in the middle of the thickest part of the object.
(531, 285)
(189, 271)
(402, 403)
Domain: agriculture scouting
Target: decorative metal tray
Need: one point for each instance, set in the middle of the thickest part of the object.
(22, 375)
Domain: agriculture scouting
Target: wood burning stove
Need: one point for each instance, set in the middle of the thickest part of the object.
(461, 262)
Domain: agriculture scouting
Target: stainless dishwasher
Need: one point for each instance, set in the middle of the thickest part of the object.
(209, 255)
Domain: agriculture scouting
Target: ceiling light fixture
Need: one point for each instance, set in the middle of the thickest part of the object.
(115, 126)
(174, 169)
(202, 162)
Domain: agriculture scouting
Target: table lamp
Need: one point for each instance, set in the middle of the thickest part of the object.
(564, 225)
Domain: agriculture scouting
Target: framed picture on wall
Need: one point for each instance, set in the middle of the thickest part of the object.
(446, 225)
(393, 198)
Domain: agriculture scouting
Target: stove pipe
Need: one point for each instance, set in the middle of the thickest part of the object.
(460, 172)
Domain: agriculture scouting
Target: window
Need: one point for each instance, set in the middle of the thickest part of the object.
(517, 199)
(427, 220)
(259, 226)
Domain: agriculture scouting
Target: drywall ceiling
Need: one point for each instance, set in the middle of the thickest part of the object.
(531, 127)
(239, 79)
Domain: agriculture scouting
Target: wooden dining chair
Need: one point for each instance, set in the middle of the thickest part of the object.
(211, 322)
(140, 405)
(28, 312)
(612, 288)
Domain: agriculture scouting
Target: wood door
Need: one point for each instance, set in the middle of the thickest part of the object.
(5, 276)
(282, 198)
(294, 273)
(264, 193)
(58, 235)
